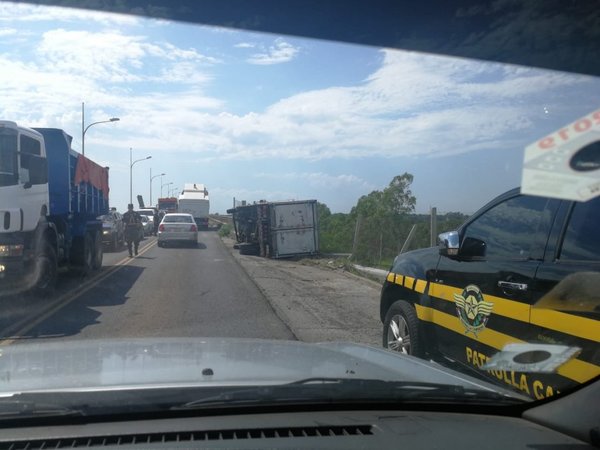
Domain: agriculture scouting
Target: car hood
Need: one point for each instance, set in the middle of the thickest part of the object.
(140, 363)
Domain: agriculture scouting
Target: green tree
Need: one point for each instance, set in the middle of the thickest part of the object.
(323, 211)
(397, 197)
(382, 221)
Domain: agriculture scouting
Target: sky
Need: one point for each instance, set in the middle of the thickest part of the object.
(260, 116)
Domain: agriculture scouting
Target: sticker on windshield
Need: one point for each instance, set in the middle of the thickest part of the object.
(473, 311)
(566, 163)
(533, 358)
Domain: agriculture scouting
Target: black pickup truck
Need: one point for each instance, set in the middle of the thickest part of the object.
(523, 269)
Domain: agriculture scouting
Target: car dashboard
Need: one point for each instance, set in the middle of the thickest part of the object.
(327, 429)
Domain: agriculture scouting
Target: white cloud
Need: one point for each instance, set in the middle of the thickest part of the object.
(252, 195)
(19, 12)
(245, 45)
(277, 53)
(7, 32)
(320, 179)
(112, 56)
(109, 56)
(183, 72)
(410, 105)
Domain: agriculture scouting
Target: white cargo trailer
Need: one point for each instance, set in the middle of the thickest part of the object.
(194, 200)
(294, 228)
(277, 229)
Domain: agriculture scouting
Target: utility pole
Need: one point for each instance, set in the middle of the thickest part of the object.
(355, 241)
(433, 227)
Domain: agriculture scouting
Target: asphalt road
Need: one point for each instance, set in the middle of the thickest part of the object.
(178, 292)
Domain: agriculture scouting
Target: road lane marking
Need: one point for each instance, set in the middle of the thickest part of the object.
(28, 323)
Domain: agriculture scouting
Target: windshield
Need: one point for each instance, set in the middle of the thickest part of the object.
(176, 219)
(333, 168)
(8, 157)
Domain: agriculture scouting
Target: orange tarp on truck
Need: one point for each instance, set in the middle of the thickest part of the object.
(87, 171)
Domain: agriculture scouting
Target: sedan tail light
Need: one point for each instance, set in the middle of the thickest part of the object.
(193, 228)
(161, 227)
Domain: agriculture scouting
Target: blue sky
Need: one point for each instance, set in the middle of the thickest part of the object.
(257, 116)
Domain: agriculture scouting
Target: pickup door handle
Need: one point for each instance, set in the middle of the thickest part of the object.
(512, 286)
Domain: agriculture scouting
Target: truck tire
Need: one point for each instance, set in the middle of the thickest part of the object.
(83, 254)
(46, 263)
(401, 330)
(114, 243)
(98, 252)
(249, 249)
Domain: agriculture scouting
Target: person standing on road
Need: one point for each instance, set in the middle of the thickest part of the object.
(155, 222)
(133, 225)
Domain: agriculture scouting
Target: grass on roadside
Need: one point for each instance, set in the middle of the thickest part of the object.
(225, 230)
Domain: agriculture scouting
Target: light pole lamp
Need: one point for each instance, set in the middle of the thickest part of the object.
(152, 178)
(163, 185)
(131, 163)
(84, 128)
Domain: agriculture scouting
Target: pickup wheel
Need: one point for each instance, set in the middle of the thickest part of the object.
(401, 330)
(46, 264)
(98, 252)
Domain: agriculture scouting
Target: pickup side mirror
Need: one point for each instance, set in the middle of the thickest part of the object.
(473, 247)
(449, 243)
(450, 246)
(27, 185)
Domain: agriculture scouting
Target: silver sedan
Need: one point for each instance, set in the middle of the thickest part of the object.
(177, 227)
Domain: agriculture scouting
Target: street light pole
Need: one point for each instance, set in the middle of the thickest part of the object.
(84, 128)
(172, 191)
(131, 163)
(163, 185)
(152, 178)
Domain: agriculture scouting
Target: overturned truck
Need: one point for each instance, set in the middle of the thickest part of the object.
(277, 229)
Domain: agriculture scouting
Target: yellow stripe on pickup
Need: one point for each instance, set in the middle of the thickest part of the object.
(390, 277)
(420, 286)
(553, 320)
(575, 369)
(502, 306)
(566, 323)
(409, 282)
(399, 279)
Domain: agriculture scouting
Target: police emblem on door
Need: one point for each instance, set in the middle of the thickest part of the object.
(472, 310)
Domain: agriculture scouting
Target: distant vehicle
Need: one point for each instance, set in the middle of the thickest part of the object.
(177, 227)
(51, 198)
(168, 204)
(148, 224)
(146, 211)
(113, 230)
(194, 200)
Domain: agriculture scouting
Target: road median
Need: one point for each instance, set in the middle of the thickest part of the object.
(318, 301)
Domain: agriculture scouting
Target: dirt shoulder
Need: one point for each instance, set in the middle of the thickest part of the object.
(317, 299)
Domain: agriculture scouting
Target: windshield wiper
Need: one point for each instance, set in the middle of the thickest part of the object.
(18, 409)
(409, 390)
(342, 390)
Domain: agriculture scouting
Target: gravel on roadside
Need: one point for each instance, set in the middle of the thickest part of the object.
(318, 300)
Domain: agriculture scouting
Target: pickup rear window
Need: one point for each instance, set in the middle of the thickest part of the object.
(582, 238)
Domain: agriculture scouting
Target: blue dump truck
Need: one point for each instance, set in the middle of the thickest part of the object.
(50, 198)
